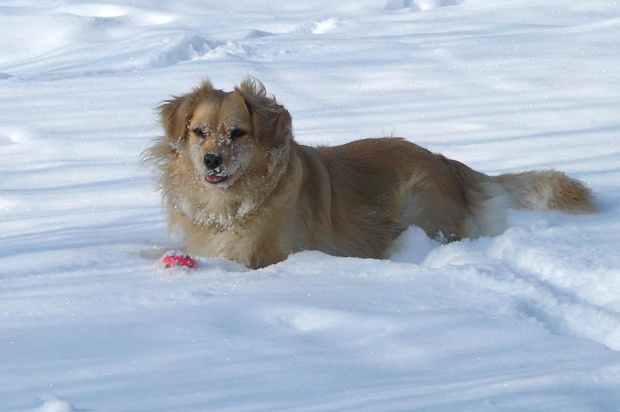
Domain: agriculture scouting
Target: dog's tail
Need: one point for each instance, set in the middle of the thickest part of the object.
(546, 190)
(541, 190)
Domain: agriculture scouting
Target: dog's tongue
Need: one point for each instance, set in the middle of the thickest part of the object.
(214, 178)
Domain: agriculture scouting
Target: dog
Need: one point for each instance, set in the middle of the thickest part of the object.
(236, 185)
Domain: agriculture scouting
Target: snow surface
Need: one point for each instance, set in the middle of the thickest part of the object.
(526, 321)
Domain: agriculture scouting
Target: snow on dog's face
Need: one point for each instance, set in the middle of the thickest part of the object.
(220, 140)
(232, 138)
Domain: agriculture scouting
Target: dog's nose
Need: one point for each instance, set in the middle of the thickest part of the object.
(213, 160)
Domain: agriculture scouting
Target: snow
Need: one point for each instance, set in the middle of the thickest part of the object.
(525, 321)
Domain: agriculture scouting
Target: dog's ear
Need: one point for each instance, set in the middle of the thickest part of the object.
(176, 113)
(271, 122)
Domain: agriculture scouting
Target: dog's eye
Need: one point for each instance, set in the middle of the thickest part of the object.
(237, 133)
(200, 133)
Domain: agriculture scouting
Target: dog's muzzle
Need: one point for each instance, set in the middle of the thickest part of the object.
(213, 161)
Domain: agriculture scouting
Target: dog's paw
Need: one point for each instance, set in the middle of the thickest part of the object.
(175, 260)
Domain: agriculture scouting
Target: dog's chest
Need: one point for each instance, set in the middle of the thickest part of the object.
(253, 245)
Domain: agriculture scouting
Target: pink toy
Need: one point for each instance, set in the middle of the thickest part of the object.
(176, 260)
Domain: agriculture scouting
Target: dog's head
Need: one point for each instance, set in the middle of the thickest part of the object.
(228, 135)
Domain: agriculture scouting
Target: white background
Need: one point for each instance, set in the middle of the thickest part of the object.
(526, 321)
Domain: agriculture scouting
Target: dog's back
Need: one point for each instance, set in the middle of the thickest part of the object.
(356, 198)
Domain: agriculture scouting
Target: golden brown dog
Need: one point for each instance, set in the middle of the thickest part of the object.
(236, 185)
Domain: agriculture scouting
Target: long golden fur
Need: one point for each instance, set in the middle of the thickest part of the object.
(236, 185)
